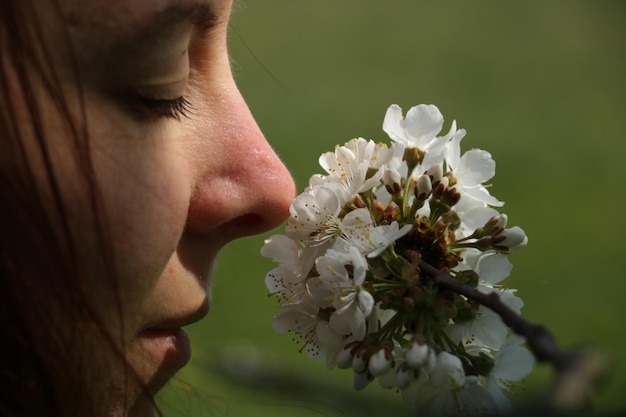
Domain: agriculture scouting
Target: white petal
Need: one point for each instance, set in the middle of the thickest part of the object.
(478, 216)
(494, 267)
(514, 363)
(366, 302)
(475, 167)
(357, 324)
(511, 300)
(453, 150)
(516, 359)
(340, 323)
(423, 123)
(357, 225)
(448, 371)
(295, 317)
(480, 193)
(278, 279)
(281, 249)
(490, 328)
(502, 402)
(359, 265)
(392, 123)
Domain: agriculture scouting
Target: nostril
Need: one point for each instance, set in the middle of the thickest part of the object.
(249, 224)
(249, 221)
(255, 223)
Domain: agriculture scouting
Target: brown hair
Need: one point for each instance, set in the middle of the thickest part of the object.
(46, 320)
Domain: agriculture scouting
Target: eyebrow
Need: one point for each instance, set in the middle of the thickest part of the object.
(204, 15)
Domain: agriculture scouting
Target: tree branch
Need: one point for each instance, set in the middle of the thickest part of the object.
(577, 373)
(539, 340)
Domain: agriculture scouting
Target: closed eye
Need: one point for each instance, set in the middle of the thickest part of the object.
(175, 109)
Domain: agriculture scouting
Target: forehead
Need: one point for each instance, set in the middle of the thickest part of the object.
(119, 18)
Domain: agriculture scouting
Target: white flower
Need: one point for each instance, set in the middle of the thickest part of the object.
(448, 392)
(353, 304)
(302, 319)
(348, 268)
(376, 154)
(349, 166)
(470, 400)
(358, 231)
(492, 268)
(471, 170)
(474, 218)
(447, 372)
(487, 327)
(445, 390)
(418, 129)
(512, 363)
(288, 280)
(314, 216)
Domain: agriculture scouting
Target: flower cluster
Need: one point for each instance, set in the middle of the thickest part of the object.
(348, 275)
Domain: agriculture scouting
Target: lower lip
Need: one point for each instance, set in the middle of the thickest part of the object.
(169, 348)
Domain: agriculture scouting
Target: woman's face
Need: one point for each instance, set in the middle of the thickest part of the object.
(182, 165)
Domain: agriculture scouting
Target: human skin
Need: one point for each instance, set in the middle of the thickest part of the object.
(174, 188)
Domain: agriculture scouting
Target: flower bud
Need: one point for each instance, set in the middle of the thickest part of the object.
(417, 354)
(378, 208)
(423, 187)
(404, 376)
(361, 380)
(492, 226)
(451, 219)
(358, 202)
(435, 173)
(468, 277)
(359, 363)
(393, 181)
(344, 358)
(509, 240)
(380, 362)
(452, 196)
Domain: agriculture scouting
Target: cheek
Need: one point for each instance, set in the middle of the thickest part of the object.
(145, 187)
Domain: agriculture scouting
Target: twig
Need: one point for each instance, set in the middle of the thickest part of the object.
(576, 372)
(538, 338)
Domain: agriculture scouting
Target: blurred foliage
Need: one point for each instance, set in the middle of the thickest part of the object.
(540, 84)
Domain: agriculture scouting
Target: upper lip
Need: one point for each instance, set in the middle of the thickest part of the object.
(179, 320)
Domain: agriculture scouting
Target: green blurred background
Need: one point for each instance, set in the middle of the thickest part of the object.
(539, 84)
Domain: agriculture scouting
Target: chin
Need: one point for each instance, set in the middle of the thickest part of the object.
(158, 354)
(155, 356)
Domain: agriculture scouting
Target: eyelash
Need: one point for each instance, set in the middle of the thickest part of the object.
(175, 109)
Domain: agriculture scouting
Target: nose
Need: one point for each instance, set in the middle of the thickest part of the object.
(242, 187)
